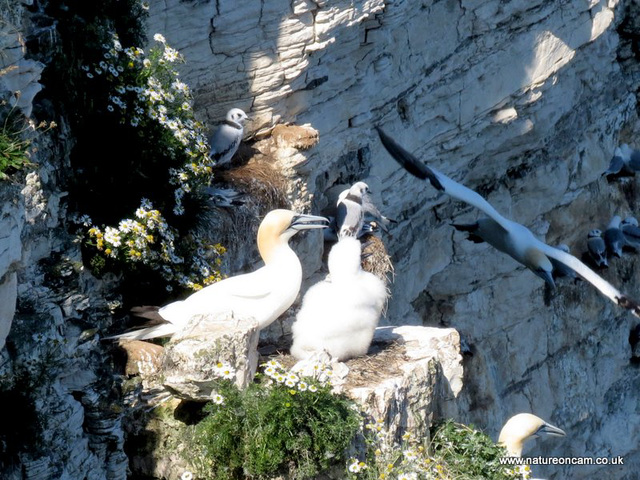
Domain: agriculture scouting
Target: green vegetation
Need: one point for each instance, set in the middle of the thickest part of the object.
(455, 452)
(15, 142)
(282, 425)
(140, 156)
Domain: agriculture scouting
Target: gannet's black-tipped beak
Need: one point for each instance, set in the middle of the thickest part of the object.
(547, 277)
(306, 222)
(551, 430)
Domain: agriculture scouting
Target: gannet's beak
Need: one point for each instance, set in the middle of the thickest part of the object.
(551, 430)
(301, 221)
(547, 277)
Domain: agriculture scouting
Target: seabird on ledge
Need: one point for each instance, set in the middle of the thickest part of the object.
(263, 294)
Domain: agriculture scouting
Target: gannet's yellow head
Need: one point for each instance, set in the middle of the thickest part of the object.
(522, 427)
(539, 264)
(278, 226)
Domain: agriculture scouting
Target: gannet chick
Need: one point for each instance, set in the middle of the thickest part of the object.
(339, 315)
(263, 294)
(226, 139)
(597, 248)
(613, 237)
(631, 232)
(523, 427)
(513, 239)
(349, 213)
(559, 268)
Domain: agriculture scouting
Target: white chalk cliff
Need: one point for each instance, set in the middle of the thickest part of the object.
(523, 101)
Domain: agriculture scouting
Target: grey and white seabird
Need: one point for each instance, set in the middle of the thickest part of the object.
(613, 237)
(350, 212)
(263, 294)
(597, 248)
(625, 162)
(631, 232)
(226, 138)
(508, 236)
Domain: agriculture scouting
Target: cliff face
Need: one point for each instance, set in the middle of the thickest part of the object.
(523, 101)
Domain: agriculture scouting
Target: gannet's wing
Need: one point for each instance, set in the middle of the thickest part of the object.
(592, 277)
(257, 284)
(440, 180)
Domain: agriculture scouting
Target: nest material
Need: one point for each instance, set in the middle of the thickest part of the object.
(261, 181)
(377, 260)
(294, 136)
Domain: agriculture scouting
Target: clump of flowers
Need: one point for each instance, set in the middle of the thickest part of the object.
(145, 93)
(286, 423)
(455, 451)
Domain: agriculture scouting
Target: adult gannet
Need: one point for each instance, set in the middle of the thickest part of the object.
(226, 139)
(339, 315)
(507, 236)
(264, 294)
(523, 427)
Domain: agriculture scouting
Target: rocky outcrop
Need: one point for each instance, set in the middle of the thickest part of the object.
(522, 101)
(410, 376)
(192, 355)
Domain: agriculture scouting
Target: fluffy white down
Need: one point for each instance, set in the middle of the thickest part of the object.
(339, 315)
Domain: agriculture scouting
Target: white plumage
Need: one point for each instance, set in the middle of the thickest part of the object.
(263, 294)
(226, 139)
(339, 315)
(522, 427)
(506, 235)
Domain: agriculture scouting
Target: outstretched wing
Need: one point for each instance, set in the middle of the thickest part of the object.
(440, 180)
(590, 276)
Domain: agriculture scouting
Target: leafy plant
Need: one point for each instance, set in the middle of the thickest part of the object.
(139, 157)
(283, 424)
(455, 451)
(15, 142)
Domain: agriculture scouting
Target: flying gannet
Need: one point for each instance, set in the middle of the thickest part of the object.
(226, 138)
(506, 235)
(263, 294)
(559, 268)
(339, 315)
